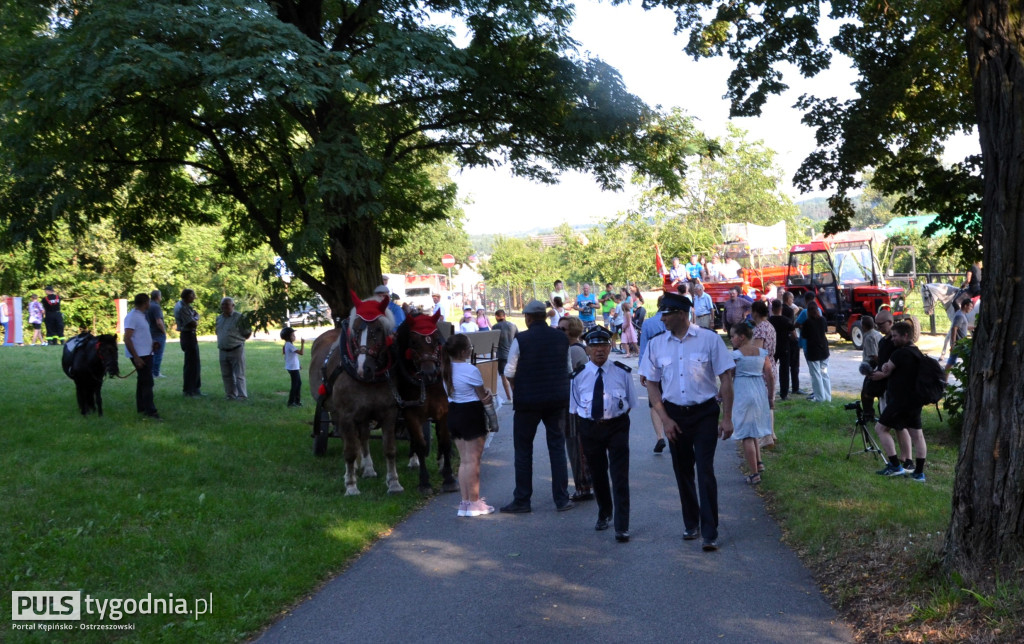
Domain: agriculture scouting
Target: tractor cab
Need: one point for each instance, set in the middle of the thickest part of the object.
(843, 273)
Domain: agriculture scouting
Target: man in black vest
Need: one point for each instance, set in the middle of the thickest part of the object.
(538, 368)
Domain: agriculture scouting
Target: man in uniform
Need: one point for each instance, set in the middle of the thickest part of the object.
(680, 367)
(602, 396)
(538, 368)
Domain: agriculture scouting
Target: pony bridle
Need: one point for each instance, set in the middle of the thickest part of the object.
(419, 358)
(353, 349)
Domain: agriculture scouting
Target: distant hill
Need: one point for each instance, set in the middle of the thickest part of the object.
(817, 209)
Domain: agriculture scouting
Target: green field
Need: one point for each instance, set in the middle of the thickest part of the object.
(223, 498)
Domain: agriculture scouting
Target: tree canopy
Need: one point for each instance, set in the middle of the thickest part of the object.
(315, 125)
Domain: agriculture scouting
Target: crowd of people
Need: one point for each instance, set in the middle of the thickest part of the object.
(559, 372)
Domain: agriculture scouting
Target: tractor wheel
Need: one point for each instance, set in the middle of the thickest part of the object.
(857, 336)
(916, 324)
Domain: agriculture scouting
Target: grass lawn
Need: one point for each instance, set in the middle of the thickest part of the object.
(875, 542)
(222, 498)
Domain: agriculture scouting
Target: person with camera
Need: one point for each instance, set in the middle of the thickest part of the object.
(586, 303)
(902, 410)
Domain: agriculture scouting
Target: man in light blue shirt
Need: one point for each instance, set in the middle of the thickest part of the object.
(703, 307)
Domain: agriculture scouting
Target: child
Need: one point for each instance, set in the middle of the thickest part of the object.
(466, 422)
(291, 364)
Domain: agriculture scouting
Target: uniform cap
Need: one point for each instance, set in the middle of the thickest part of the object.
(598, 335)
(671, 302)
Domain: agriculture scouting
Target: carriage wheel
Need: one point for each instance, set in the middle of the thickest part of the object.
(321, 431)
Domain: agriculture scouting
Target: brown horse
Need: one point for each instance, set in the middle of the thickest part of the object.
(348, 376)
(420, 369)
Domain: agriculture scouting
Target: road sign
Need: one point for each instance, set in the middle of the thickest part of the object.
(448, 261)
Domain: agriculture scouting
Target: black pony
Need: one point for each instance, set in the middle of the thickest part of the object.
(420, 372)
(86, 360)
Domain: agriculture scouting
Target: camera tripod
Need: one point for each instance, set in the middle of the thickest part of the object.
(866, 437)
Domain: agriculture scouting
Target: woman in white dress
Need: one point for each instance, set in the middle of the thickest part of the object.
(752, 401)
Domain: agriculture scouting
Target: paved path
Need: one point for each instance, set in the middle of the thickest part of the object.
(548, 576)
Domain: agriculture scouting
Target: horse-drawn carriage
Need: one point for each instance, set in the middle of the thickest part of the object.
(362, 375)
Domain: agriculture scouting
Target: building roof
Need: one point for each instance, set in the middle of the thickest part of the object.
(916, 223)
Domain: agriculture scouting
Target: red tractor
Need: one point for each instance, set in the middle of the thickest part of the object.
(845, 277)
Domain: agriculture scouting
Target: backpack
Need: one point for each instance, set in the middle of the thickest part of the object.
(931, 380)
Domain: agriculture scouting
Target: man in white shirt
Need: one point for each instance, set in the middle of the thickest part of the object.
(139, 347)
(559, 292)
(679, 369)
(601, 396)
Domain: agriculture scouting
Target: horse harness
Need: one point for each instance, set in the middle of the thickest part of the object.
(347, 363)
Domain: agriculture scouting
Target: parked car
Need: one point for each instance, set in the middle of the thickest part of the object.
(311, 313)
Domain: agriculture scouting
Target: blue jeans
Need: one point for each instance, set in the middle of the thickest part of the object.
(524, 430)
(158, 353)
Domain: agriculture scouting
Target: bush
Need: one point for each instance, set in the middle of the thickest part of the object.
(956, 394)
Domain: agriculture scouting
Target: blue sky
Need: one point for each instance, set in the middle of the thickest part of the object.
(641, 45)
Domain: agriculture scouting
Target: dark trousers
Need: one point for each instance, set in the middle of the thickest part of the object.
(794, 363)
(524, 430)
(294, 396)
(606, 445)
(695, 446)
(784, 374)
(190, 346)
(144, 387)
(54, 328)
(577, 459)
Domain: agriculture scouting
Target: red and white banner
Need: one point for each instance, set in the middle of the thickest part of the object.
(659, 262)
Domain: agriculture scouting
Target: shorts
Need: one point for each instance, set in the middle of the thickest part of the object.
(501, 366)
(607, 317)
(466, 421)
(896, 416)
(36, 325)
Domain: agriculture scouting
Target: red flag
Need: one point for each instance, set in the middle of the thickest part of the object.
(659, 262)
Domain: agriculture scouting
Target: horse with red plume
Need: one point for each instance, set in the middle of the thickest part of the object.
(349, 375)
(421, 364)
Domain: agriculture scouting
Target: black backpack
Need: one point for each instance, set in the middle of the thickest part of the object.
(931, 380)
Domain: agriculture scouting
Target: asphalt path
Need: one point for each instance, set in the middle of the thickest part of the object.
(549, 576)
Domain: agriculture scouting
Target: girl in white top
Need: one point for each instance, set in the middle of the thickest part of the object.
(292, 365)
(466, 422)
(557, 311)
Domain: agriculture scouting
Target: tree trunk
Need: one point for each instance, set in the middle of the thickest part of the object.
(352, 263)
(986, 533)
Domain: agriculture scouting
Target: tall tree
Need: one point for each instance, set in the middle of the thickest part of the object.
(927, 70)
(314, 124)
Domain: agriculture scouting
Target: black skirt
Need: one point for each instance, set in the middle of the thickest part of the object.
(466, 421)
